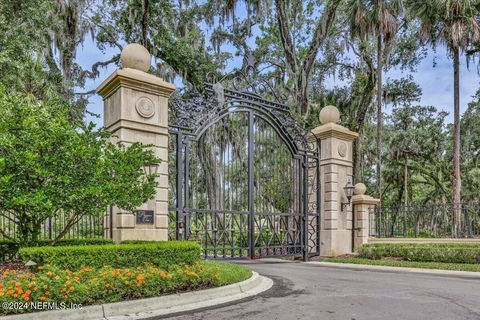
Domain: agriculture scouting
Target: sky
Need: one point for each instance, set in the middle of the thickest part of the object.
(436, 82)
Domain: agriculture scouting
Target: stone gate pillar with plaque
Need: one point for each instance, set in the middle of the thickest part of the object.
(336, 169)
(136, 110)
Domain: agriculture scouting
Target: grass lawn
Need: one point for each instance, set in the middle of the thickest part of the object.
(408, 264)
(229, 273)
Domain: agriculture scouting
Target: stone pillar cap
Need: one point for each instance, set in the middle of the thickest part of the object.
(359, 196)
(329, 114)
(360, 189)
(135, 56)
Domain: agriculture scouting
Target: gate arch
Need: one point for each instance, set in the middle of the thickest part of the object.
(239, 177)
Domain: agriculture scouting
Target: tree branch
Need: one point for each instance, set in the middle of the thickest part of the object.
(285, 36)
(94, 73)
(321, 32)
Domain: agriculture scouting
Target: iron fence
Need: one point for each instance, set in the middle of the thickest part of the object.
(87, 227)
(425, 220)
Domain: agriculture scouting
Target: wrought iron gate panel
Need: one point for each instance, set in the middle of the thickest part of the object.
(239, 178)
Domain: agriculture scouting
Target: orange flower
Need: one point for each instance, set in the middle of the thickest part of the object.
(26, 298)
(42, 298)
(47, 293)
(68, 282)
(28, 292)
(49, 273)
(57, 277)
(72, 289)
(107, 285)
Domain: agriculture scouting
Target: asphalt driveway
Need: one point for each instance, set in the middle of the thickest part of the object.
(312, 292)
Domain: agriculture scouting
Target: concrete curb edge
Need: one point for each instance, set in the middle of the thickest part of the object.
(467, 274)
(158, 306)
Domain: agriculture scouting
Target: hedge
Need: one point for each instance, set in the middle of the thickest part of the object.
(8, 248)
(162, 254)
(425, 252)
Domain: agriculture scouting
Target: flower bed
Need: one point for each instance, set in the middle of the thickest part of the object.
(89, 285)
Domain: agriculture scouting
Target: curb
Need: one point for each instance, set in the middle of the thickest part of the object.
(463, 274)
(158, 306)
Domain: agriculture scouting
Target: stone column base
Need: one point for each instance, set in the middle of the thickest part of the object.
(150, 234)
(335, 242)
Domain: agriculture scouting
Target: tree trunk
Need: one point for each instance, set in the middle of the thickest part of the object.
(405, 196)
(379, 119)
(302, 93)
(456, 143)
(405, 182)
(357, 160)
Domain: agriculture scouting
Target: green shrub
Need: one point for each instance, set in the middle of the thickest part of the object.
(9, 249)
(162, 254)
(425, 252)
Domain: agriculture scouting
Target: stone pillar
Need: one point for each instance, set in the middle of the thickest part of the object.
(136, 110)
(362, 205)
(336, 168)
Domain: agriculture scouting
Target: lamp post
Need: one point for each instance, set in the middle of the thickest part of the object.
(348, 189)
(151, 168)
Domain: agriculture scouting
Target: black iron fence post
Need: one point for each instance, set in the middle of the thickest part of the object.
(50, 228)
(251, 218)
(179, 198)
(186, 219)
(304, 208)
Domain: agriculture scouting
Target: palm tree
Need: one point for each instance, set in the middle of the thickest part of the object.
(368, 19)
(455, 24)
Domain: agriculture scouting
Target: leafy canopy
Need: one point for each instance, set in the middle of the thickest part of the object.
(50, 165)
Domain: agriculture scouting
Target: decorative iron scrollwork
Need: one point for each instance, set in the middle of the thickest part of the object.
(199, 109)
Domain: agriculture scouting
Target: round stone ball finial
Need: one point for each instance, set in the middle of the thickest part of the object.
(135, 56)
(360, 189)
(329, 114)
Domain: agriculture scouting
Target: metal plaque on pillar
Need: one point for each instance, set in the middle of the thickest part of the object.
(145, 217)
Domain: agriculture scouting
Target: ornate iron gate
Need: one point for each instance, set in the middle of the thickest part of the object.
(243, 178)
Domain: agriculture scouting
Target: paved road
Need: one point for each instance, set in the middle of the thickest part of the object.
(313, 292)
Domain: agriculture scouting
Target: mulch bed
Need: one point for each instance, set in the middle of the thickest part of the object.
(12, 265)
